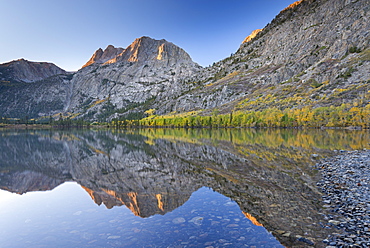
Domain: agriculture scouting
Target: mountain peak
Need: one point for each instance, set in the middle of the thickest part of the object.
(28, 71)
(252, 35)
(146, 49)
(100, 56)
(142, 49)
(293, 5)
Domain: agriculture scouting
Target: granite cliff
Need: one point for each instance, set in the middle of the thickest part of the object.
(314, 53)
(100, 56)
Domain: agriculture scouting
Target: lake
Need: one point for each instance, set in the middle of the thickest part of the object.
(165, 187)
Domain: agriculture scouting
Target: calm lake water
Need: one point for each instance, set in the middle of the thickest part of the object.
(165, 187)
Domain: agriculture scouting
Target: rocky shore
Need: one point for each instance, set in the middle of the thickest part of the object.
(345, 185)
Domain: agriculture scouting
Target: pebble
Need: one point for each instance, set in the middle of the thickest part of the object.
(114, 237)
(345, 185)
(197, 220)
(178, 220)
(232, 225)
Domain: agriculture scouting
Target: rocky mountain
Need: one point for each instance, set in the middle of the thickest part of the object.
(314, 53)
(32, 89)
(26, 71)
(147, 70)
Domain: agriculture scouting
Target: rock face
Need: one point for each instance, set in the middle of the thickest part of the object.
(27, 71)
(252, 35)
(147, 50)
(100, 56)
(43, 98)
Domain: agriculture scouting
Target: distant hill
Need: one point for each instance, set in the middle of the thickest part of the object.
(27, 71)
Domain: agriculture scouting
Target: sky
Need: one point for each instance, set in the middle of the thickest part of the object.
(68, 32)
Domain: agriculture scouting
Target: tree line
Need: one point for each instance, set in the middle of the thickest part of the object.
(341, 116)
(47, 120)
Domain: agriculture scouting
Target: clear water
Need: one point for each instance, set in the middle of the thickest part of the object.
(164, 188)
(66, 217)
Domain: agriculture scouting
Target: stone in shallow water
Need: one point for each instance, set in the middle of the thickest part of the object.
(178, 220)
(232, 225)
(114, 237)
(197, 220)
(306, 241)
(334, 222)
(229, 203)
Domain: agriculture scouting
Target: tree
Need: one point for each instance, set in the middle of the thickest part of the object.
(150, 112)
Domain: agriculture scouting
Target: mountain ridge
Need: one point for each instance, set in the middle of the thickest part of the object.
(101, 56)
(28, 71)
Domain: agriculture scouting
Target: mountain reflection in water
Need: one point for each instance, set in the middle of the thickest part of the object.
(268, 173)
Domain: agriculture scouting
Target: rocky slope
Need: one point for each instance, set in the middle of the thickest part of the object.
(43, 98)
(32, 89)
(314, 53)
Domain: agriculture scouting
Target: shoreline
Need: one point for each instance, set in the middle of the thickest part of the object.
(345, 184)
(110, 126)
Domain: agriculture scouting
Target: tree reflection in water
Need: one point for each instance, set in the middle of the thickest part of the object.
(268, 173)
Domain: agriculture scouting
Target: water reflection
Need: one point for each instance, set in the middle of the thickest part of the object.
(267, 173)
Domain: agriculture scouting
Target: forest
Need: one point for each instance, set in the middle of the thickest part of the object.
(342, 116)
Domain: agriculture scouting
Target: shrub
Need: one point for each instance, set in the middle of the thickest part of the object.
(354, 50)
(314, 83)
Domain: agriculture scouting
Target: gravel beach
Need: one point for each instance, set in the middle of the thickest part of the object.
(345, 185)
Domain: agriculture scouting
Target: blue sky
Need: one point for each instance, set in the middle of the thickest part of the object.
(67, 32)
